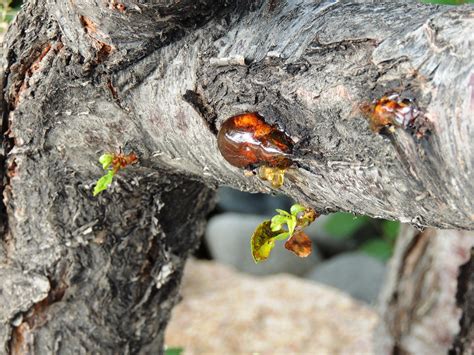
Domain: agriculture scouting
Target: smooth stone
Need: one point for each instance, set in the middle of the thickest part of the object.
(226, 312)
(231, 200)
(356, 273)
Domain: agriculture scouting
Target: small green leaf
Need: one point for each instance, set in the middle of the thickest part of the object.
(277, 222)
(282, 236)
(262, 242)
(106, 160)
(103, 183)
(297, 208)
(265, 235)
(377, 248)
(283, 212)
(174, 351)
(291, 223)
(275, 227)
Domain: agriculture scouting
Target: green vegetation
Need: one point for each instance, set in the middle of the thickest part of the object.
(8, 10)
(379, 235)
(344, 225)
(174, 351)
(372, 236)
(104, 182)
(112, 163)
(4, 14)
(284, 225)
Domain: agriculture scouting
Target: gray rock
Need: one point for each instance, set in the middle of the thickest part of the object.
(228, 238)
(231, 200)
(357, 274)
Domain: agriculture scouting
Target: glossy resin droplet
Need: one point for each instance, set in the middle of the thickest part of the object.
(246, 141)
(391, 110)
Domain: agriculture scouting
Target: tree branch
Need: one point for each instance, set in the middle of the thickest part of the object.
(132, 29)
(306, 67)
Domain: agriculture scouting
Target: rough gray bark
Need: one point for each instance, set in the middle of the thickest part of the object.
(426, 300)
(158, 78)
(464, 341)
(106, 276)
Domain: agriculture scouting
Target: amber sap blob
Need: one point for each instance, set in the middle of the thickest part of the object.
(276, 176)
(246, 141)
(391, 111)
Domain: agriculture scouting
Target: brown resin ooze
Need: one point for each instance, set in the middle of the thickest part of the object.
(390, 111)
(246, 141)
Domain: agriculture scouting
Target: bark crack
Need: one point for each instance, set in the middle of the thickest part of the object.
(405, 313)
(205, 110)
(464, 341)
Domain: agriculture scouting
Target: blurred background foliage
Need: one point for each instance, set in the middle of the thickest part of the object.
(8, 10)
(174, 351)
(381, 234)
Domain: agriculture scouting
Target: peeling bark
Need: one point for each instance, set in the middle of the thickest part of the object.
(158, 78)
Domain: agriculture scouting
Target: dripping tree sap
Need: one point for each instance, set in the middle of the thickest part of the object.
(246, 141)
(391, 111)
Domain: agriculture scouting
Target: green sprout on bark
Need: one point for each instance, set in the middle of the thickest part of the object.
(284, 225)
(112, 163)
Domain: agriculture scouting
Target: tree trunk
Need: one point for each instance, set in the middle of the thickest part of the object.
(427, 303)
(157, 78)
(101, 277)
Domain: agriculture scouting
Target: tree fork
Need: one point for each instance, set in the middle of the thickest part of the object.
(84, 78)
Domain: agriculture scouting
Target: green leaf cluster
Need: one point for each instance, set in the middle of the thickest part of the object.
(282, 226)
(104, 182)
